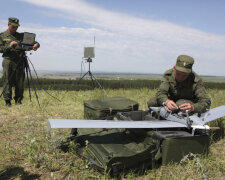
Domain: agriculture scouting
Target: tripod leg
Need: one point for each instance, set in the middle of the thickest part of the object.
(83, 76)
(28, 82)
(39, 81)
(32, 82)
(93, 77)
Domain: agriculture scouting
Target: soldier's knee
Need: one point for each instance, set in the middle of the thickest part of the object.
(152, 102)
(183, 101)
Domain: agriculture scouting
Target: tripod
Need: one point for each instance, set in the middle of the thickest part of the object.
(28, 75)
(89, 60)
(23, 62)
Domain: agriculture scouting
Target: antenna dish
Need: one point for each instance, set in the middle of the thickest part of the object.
(89, 52)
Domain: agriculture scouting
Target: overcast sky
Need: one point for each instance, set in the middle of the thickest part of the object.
(139, 36)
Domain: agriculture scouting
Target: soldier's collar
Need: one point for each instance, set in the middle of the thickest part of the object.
(172, 77)
(7, 32)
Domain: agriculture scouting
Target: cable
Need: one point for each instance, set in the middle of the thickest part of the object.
(39, 81)
(81, 69)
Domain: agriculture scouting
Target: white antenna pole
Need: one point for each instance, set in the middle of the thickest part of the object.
(94, 40)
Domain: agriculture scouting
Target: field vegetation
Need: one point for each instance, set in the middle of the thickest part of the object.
(71, 85)
(117, 76)
(28, 151)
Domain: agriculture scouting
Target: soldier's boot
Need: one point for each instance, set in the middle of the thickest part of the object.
(18, 101)
(8, 103)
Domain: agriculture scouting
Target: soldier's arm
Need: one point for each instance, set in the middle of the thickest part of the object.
(3, 47)
(162, 93)
(203, 99)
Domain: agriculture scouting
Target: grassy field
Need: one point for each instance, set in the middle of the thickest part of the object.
(27, 151)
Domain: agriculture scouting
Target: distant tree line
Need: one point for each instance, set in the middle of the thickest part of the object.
(62, 84)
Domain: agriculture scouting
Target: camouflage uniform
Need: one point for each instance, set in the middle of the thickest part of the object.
(190, 90)
(13, 64)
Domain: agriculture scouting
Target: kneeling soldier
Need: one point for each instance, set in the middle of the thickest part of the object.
(182, 84)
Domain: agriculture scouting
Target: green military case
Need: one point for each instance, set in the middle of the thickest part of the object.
(119, 150)
(101, 108)
(174, 145)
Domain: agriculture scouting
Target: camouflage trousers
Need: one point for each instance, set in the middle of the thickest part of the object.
(152, 102)
(13, 75)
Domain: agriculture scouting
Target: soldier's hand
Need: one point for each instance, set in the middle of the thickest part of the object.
(186, 106)
(12, 44)
(35, 46)
(170, 105)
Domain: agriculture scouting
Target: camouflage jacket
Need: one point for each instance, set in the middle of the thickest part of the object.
(191, 89)
(14, 53)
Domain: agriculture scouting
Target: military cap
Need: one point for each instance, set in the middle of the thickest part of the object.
(184, 63)
(14, 21)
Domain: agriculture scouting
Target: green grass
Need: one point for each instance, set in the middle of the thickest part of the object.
(28, 151)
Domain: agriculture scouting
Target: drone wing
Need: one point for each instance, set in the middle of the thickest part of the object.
(70, 123)
(213, 114)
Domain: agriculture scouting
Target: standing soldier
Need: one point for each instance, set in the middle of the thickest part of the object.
(13, 61)
(182, 89)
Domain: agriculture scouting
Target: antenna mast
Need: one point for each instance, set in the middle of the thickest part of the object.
(94, 40)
